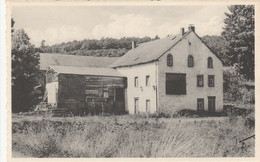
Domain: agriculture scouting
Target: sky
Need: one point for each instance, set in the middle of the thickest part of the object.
(56, 24)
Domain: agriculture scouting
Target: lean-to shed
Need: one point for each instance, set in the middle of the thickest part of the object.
(88, 89)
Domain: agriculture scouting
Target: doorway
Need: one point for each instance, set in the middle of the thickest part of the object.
(136, 106)
(212, 104)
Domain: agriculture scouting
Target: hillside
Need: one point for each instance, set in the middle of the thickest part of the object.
(106, 47)
(111, 47)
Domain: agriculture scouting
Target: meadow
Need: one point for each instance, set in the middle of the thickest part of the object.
(133, 136)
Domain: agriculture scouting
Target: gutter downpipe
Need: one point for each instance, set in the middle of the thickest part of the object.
(156, 83)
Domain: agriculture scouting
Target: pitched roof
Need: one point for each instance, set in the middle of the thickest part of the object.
(47, 59)
(86, 71)
(147, 52)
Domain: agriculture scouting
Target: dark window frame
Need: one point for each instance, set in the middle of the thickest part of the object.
(190, 61)
(136, 82)
(200, 100)
(147, 80)
(210, 62)
(198, 80)
(213, 80)
(175, 88)
(169, 60)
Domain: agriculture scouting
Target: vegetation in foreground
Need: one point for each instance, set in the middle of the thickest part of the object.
(133, 136)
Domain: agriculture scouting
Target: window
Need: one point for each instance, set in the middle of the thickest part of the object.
(136, 82)
(200, 104)
(148, 105)
(190, 61)
(200, 80)
(210, 62)
(169, 60)
(175, 83)
(147, 80)
(211, 81)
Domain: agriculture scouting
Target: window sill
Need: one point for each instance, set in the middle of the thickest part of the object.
(175, 94)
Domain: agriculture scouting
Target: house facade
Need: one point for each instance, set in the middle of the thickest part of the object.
(174, 73)
(167, 75)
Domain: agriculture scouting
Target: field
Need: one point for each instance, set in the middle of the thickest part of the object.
(132, 136)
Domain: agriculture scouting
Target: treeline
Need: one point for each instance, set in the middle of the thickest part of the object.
(111, 47)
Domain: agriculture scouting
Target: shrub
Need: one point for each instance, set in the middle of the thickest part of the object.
(44, 106)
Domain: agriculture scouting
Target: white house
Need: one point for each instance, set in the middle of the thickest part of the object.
(173, 73)
(164, 75)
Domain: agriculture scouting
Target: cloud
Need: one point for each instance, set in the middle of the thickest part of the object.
(139, 25)
(60, 34)
(127, 25)
(124, 25)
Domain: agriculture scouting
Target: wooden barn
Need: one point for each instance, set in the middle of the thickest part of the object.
(88, 90)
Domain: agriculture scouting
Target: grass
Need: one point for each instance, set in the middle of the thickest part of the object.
(132, 136)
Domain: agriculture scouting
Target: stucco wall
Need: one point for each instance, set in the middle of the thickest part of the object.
(142, 91)
(180, 52)
(52, 91)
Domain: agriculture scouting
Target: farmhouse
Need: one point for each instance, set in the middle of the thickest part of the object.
(164, 75)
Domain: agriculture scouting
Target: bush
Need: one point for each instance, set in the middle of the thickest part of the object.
(235, 89)
(248, 96)
(44, 106)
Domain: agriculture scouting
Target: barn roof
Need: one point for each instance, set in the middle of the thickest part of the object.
(149, 51)
(86, 71)
(47, 59)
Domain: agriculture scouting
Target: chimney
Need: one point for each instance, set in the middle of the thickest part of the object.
(182, 31)
(133, 44)
(191, 27)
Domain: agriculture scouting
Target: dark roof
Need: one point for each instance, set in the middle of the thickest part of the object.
(86, 71)
(47, 59)
(147, 52)
(151, 51)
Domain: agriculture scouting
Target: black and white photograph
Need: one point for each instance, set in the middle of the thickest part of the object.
(132, 81)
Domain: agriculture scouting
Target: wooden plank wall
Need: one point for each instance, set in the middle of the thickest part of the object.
(90, 94)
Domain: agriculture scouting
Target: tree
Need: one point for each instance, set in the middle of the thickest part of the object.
(239, 31)
(219, 46)
(156, 37)
(25, 70)
(43, 44)
(12, 25)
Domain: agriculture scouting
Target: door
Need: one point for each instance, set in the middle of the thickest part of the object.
(136, 106)
(212, 104)
(119, 100)
(148, 106)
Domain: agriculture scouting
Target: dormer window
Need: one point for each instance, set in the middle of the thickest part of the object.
(210, 62)
(169, 60)
(190, 61)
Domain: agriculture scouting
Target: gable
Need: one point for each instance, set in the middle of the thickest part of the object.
(192, 45)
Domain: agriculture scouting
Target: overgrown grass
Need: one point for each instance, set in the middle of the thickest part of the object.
(132, 136)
